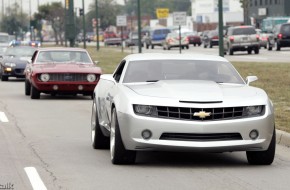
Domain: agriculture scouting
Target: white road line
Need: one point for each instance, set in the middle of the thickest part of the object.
(3, 117)
(34, 179)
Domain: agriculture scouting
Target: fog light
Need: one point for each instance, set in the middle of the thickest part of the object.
(80, 87)
(55, 87)
(254, 134)
(146, 134)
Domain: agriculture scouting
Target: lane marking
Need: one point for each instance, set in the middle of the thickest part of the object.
(3, 117)
(34, 179)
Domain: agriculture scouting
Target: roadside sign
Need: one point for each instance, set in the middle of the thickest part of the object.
(162, 13)
(179, 18)
(121, 20)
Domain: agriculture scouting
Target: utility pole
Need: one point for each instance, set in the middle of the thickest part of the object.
(221, 29)
(139, 26)
(84, 25)
(97, 26)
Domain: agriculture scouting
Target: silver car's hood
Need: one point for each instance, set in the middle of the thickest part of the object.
(194, 91)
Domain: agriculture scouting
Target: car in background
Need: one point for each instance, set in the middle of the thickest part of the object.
(132, 40)
(33, 43)
(241, 38)
(181, 102)
(156, 37)
(263, 38)
(212, 39)
(14, 61)
(61, 71)
(193, 38)
(109, 34)
(174, 40)
(280, 37)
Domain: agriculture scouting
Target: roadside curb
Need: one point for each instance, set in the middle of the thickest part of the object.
(282, 138)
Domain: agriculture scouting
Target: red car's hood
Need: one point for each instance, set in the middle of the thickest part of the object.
(66, 68)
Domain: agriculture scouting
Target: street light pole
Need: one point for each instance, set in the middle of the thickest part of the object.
(97, 26)
(84, 25)
(139, 26)
(221, 29)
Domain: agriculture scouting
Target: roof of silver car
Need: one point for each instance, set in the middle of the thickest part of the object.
(171, 56)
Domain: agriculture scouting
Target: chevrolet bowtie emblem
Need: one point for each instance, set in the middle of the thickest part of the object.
(202, 114)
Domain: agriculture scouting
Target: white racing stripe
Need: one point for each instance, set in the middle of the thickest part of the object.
(34, 179)
(3, 117)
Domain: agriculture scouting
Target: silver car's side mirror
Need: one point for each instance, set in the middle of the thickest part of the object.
(250, 79)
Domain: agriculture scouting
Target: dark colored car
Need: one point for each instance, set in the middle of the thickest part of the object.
(193, 38)
(212, 39)
(280, 37)
(61, 71)
(14, 61)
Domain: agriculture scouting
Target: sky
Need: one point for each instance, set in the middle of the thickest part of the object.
(34, 3)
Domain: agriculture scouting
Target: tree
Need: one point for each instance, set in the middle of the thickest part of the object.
(108, 11)
(245, 6)
(14, 23)
(54, 14)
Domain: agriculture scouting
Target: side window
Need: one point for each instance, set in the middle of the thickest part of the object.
(119, 71)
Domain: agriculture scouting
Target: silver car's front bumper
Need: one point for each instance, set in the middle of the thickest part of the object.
(131, 127)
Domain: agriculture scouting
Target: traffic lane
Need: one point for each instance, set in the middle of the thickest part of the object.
(263, 56)
(57, 136)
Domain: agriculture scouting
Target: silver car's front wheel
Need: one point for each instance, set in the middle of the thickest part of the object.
(99, 141)
(119, 155)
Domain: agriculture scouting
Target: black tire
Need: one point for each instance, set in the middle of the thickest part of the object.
(256, 50)
(4, 78)
(119, 155)
(147, 46)
(99, 140)
(210, 45)
(204, 46)
(278, 47)
(34, 94)
(187, 47)
(249, 51)
(152, 46)
(269, 47)
(263, 157)
(194, 45)
(27, 88)
(231, 51)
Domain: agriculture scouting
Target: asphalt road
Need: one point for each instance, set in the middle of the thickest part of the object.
(263, 56)
(46, 144)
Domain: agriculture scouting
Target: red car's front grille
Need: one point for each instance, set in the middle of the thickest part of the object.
(75, 77)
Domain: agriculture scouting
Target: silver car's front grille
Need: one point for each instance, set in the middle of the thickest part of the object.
(200, 114)
(201, 137)
(75, 77)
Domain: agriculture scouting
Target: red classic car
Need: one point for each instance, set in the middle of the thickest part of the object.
(61, 71)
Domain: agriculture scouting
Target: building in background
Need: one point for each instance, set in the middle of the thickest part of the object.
(261, 9)
(205, 13)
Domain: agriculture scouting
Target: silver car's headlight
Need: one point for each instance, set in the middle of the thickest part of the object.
(253, 111)
(10, 64)
(91, 77)
(44, 77)
(144, 110)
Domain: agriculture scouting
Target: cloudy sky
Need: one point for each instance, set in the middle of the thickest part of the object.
(34, 3)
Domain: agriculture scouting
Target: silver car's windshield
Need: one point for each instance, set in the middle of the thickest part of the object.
(155, 70)
(62, 57)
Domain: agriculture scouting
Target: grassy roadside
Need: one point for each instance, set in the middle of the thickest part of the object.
(274, 78)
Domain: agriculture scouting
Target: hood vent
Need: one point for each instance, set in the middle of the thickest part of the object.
(201, 102)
